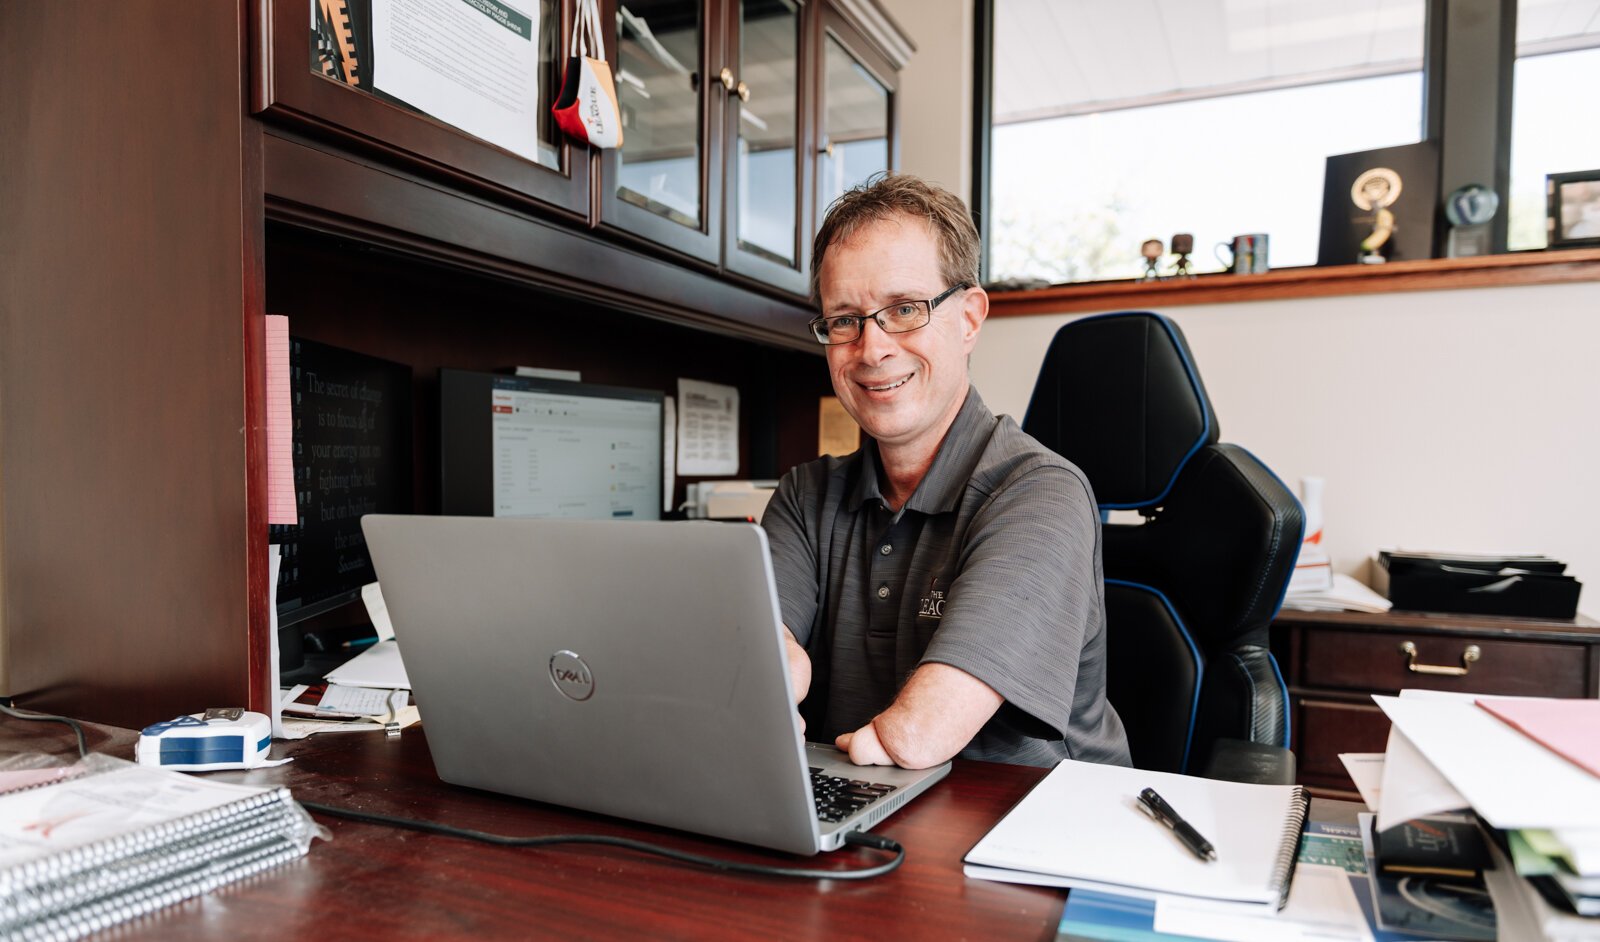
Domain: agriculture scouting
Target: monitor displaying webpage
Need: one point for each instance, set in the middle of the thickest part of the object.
(569, 454)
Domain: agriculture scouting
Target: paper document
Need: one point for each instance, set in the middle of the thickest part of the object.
(377, 611)
(473, 64)
(1366, 770)
(708, 428)
(360, 701)
(1410, 786)
(1508, 779)
(377, 666)
(280, 425)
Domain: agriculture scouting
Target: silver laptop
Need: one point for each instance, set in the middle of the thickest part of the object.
(630, 668)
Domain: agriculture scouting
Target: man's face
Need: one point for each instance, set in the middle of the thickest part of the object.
(903, 389)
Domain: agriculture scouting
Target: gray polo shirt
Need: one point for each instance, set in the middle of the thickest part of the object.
(992, 566)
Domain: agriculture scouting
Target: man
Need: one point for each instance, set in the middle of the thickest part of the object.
(942, 586)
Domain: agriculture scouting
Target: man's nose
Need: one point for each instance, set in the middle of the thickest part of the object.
(874, 342)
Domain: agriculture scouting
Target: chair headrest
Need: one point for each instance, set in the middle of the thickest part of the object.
(1118, 395)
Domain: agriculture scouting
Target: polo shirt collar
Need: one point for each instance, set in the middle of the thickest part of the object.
(941, 488)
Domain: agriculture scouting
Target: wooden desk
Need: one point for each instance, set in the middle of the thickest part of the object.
(1334, 662)
(381, 883)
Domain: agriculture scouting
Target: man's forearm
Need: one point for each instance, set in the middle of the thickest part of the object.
(936, 714)
(799, 665)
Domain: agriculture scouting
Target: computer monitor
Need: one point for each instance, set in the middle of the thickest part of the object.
(352, 456)
(518, 446)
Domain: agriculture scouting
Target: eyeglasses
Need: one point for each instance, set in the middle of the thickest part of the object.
(898, 318)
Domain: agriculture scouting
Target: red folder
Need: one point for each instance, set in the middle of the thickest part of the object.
(1570, 728)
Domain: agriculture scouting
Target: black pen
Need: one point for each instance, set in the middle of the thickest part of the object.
(1157, 807)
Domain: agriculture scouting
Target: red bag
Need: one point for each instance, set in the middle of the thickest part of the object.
(587, 107)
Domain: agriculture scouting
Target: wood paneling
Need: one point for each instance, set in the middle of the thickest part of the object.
(129, 281)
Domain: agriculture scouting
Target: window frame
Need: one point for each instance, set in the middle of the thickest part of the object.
(1471, 146)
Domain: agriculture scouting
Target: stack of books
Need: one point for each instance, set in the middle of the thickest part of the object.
(110, 841)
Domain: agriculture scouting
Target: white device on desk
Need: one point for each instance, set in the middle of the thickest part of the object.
(216, 739)
(729, 500)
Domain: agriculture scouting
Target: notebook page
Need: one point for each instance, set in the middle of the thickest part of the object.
(1082, 825)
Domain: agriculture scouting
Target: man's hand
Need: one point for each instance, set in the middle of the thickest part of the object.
(799, 669)
(863, 747)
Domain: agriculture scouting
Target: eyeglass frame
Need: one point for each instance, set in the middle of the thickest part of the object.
(818, 324)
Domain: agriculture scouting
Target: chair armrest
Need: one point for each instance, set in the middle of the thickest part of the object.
(1236, 760)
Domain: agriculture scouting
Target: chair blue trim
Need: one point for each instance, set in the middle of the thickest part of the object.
(1288, 718)
(1194, 651)
(1194, 383)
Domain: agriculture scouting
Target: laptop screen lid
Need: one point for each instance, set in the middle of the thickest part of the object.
(630, 668)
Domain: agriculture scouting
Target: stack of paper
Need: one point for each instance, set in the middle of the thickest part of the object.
(122, 840)
(1524, 766)
(1345, 594)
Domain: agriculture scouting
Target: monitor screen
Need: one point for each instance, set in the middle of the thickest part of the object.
(352, 456)
(517, 446)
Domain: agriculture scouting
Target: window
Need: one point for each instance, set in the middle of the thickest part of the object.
(1110, 124)
(1553, 111)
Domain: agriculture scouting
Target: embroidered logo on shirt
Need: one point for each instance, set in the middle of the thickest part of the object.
(932, 604)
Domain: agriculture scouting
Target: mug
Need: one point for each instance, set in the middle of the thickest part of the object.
(1247, 254)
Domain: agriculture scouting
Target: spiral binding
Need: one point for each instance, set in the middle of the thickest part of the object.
(1289, 849)
(80, 890)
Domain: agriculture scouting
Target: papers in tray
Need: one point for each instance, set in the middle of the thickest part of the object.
(1081, 827)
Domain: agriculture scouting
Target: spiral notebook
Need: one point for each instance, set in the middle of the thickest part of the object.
(120, 840)
(1081, 827)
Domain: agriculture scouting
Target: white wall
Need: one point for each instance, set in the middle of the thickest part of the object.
(1459, 420)
(1455, 420)
(935, 97)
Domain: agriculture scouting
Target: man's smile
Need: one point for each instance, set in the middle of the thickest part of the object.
(886, 386)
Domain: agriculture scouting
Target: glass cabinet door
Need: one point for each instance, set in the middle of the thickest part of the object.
(856, 120)
(765, 238)
(662, 183)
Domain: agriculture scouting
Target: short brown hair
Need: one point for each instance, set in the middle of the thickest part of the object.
(888, 195)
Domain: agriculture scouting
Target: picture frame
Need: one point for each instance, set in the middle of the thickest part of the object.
(1572, 215)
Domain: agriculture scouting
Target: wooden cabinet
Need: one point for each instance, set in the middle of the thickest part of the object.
(158, 206)
(743, 119)
(1334, 662)
(723, 105)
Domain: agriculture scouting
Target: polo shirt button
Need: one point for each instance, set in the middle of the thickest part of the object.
(886, 549)
(883, 591)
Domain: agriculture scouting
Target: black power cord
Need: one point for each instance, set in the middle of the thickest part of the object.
(860, 838)
(83, 744)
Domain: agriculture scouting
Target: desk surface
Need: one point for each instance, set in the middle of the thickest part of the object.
(382, 883)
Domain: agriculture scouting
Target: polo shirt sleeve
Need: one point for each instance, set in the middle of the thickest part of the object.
(794, 551)
(1021, 609)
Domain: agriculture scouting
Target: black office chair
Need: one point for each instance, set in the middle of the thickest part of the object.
(1191, 588)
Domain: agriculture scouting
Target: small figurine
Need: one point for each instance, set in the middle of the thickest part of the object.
(1182, 246)
(1375, 191)
(1152, 252)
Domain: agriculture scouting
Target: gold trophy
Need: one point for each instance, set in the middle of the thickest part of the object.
(1375, 191)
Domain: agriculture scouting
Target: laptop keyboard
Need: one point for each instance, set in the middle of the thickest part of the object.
(839, 798)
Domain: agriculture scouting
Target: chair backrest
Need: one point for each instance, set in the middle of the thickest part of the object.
(1191, 589)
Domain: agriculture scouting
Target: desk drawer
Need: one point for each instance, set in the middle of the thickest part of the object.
(1324, 728)
(1374, 661)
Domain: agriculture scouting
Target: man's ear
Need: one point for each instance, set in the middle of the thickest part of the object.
(974, 311)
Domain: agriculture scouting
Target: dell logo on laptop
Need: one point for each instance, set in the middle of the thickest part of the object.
(571, 676)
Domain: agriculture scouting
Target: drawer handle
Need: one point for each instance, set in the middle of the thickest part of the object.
(1468, 657)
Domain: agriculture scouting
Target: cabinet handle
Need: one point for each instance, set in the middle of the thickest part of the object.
(828, 149)
(1469, 657)
(726, 76)
(744, 92)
